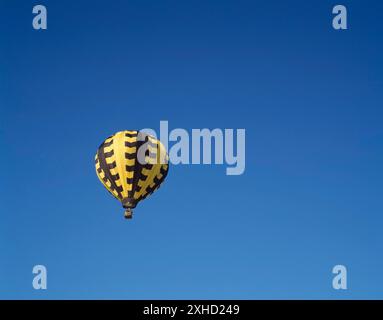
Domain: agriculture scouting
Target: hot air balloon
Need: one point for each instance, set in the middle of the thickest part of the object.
(131, 165)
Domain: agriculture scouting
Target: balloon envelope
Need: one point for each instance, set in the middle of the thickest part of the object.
(131, 165)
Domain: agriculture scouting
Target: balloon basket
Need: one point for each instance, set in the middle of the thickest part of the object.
(128, 214)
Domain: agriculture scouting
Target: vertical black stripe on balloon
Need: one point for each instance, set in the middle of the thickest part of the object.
(138, 167)
(104, 166)
(129, 155)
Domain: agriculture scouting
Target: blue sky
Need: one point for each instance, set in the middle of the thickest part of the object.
(309, 97)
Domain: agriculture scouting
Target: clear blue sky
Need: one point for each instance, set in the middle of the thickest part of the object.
(309, 97)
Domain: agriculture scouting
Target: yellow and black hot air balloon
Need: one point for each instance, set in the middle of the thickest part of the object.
(131, 165)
